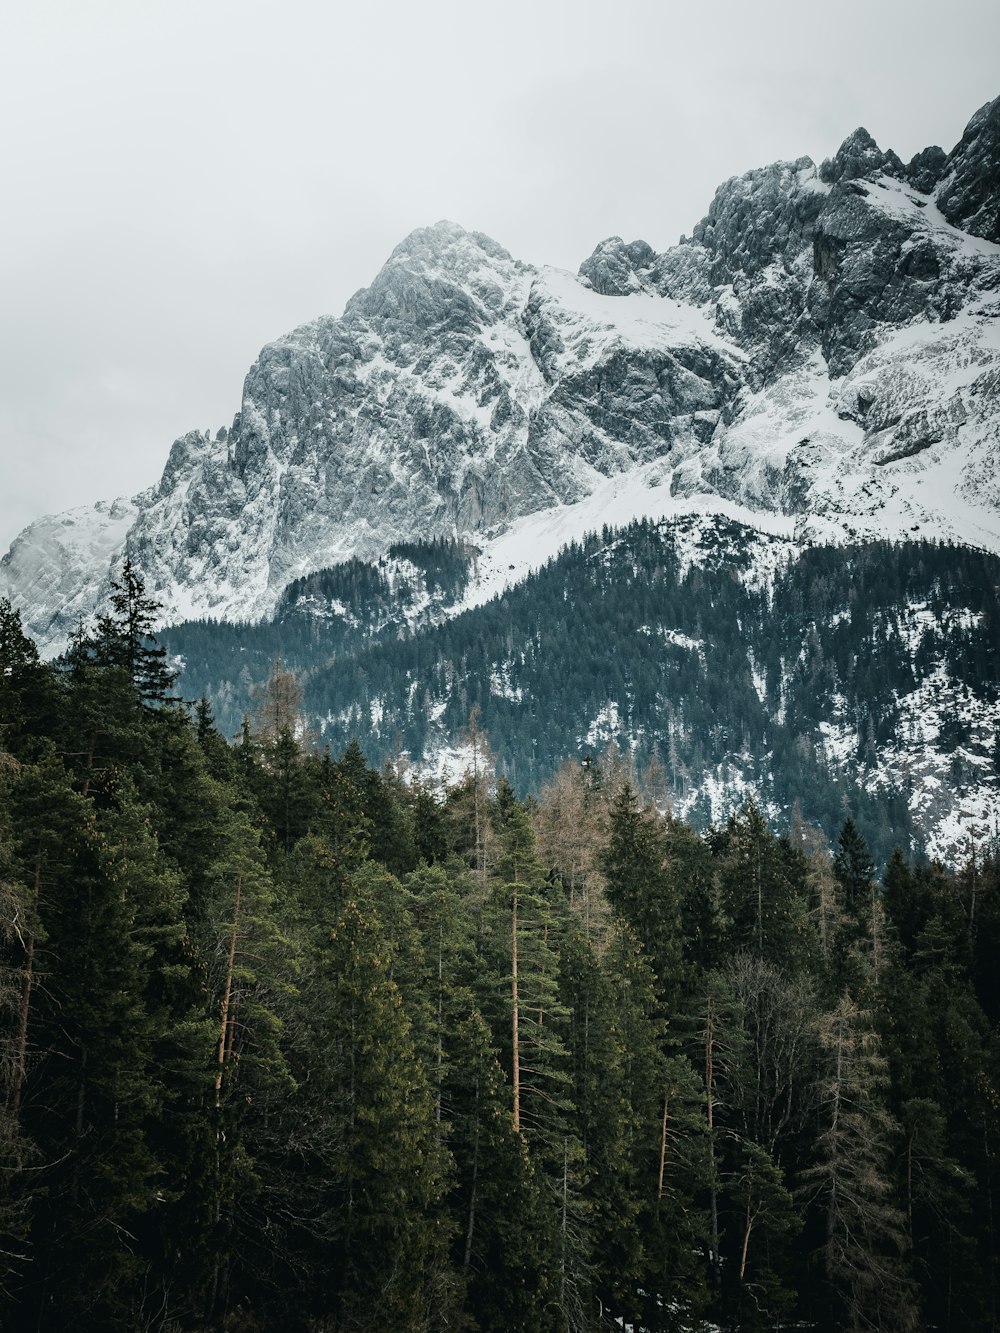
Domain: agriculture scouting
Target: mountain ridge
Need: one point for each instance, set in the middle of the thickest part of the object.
(824, 347)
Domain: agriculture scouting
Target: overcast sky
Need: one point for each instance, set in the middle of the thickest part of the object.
(183, 180)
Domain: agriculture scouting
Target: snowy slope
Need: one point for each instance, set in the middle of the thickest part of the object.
(59, 567)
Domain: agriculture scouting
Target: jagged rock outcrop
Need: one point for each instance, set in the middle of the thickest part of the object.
(969, 191)
(859, 157)
(617, 268)
(924, 169)
(825, 345)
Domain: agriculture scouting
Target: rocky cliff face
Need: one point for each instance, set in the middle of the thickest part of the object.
(825, 346)
(968, 188)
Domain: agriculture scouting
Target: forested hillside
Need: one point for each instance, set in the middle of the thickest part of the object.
(291, 1043)
(855, 680)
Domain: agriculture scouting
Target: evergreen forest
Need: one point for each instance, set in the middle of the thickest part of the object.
(289, 1041)
(696, 665)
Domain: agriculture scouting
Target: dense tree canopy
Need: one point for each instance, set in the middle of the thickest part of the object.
(287, 1041)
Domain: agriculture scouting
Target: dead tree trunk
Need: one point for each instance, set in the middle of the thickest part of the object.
(227, 995)
(710, 1101)
(516, 1071)
(24, 1008)
(663, 1144)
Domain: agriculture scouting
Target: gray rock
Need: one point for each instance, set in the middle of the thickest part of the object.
(969, 192)
(615, 269)
(859, 157)
(925, 168)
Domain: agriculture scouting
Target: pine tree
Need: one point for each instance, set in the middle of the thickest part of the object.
(505, 1248)
(449, 969)
(503, 1233)
(690, 867)
(429, 827)
(370, 1235)
(287, 798)
(641, 890)
(854, 870)
(92, 1089)
(640, 1126)
(248, 975)
(341, 820)
(864, 933)
(124, 637)
(938, 1195)
(850, 1180)
(482, 766)
(762, 891)
(176, 1129)
(538, 1071)
(764, 1217)
(527, 922)
(28, 688)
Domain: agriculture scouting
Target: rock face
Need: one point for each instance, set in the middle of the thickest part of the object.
(824, 346)
(969, 192)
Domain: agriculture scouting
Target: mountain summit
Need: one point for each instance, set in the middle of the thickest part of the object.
(824, 348)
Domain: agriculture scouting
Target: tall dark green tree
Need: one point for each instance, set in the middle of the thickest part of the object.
(762, 889)
(19, 934)
(367, 1217)
(641, 890)
(124, 637)
(29, 698)
(97, 1033)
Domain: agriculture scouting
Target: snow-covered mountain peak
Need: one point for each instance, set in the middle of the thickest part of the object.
(824, 348)
(441, 274)
(448, 245)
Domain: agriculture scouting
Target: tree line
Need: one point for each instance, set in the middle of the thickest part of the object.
(291, 1041)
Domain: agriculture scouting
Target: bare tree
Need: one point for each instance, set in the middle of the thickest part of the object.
(481, 770)
(278, 705)
(571, 824)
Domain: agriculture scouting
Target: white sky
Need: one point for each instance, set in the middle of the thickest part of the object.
(183, 180)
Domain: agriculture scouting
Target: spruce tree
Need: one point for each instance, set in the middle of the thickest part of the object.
(762, 887)
(92, 1090)
(504, 1249)
(763, 1219)
(527, 920)
(124, 637)
(640, 889)
(29, 697)
(370, 1236)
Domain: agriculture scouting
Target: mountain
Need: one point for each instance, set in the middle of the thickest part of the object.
(721, 660)
(818, 362)
(824, 347)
